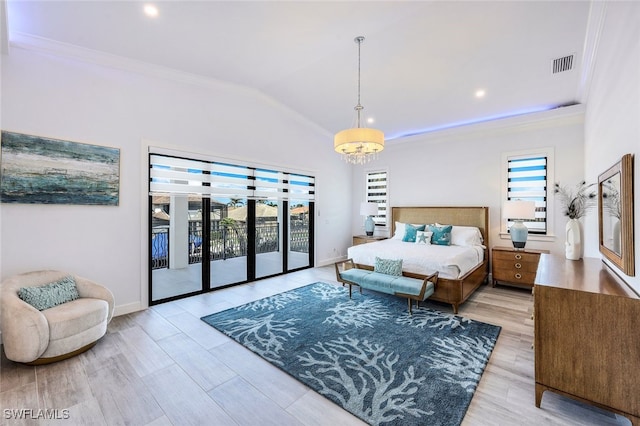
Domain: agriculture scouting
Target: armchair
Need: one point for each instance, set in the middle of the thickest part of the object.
(40, 337)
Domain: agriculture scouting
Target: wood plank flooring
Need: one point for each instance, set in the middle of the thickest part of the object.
(164, 366)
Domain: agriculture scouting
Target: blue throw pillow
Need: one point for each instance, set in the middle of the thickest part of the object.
(441, 235)
(388, 266)
(50, 295)
(410, 232)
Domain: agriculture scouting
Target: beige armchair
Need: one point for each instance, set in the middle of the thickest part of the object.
(39, 337)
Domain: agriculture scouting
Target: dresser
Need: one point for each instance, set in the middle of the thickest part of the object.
(515, 266)
(587, 335)
(363, 239)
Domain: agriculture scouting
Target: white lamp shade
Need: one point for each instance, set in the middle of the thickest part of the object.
(518, 209)
(368, 209)
(359, 139)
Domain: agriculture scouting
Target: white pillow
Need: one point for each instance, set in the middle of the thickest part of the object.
(399, 234)
(424, 237)
(466, 236)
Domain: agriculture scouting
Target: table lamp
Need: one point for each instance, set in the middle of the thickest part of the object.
(518, 211)
(369, 210)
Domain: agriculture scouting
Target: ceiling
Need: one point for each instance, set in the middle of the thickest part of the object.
(422, 61)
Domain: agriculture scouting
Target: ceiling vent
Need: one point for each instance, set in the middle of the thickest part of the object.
(563, 64)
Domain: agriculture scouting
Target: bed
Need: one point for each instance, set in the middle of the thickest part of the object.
(462, 269)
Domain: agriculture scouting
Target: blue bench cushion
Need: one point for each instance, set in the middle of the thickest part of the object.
(384, 283)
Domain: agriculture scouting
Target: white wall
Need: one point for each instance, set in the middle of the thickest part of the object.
(60, 97)
(463, 167)
(613, 110)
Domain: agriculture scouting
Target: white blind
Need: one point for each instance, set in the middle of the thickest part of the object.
(376, 192)
(176, 175)
(527, 181)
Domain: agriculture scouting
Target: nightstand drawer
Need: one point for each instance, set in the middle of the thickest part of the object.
(514, 276)
(515, 257)
(517, 265)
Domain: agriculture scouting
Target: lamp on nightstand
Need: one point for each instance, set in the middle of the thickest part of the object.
(518, 211)
(369, 210)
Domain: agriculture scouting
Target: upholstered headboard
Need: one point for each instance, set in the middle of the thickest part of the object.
(461, 216)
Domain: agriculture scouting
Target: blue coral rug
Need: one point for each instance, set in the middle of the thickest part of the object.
(367, 354)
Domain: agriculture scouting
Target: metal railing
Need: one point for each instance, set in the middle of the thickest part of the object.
(160, 247)
(228, 242)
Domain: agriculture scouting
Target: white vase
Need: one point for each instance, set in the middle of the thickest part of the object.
(616, 237)
(573, 242)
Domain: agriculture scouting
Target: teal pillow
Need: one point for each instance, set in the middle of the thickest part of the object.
(410, 232)
(50, 295)
(388, 266)
(441, 235)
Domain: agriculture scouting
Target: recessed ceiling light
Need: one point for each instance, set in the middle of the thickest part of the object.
(371, 120)
(151, 10)
(480, 93)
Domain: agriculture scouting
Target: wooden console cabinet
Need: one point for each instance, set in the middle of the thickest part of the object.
(587, 335)
(514, 266)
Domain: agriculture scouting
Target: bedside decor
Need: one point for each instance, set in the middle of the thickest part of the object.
(369, 210)
(37, 170)
(576, 205)
(518, 211)
(359, 145)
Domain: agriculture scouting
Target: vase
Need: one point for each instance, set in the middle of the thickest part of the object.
(616, 237)
(369, 226)
(573, 242)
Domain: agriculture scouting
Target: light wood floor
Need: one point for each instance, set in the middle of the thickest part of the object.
(165, 366)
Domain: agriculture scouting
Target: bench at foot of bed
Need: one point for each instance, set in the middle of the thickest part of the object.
(412, 288)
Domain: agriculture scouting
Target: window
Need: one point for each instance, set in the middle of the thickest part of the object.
(526, 178)
(376, 192)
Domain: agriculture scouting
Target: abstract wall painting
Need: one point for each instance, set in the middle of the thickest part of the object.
(37, 170)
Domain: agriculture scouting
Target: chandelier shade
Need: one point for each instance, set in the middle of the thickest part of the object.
(358, 145)
(358, 139)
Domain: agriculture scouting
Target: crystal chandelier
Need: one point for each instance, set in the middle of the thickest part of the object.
(358, 145)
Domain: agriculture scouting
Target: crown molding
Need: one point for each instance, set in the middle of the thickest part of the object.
(69, 51)
(595, 23)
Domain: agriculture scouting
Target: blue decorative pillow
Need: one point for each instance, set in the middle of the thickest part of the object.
(388, 266)
(410, 232)
(50, 295)
(441, 235)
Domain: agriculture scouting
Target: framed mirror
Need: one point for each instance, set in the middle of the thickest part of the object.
(615, 215)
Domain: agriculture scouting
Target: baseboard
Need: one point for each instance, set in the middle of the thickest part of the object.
(331, 261)
(127, 309)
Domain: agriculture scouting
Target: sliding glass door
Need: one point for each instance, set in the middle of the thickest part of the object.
(268, 237)
(228, 242)
(300, 241)
(215, 224)
(176, 245)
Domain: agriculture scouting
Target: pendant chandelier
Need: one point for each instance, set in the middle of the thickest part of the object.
(359, 145)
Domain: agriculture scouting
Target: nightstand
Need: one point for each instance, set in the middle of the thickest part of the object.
(515, 266)
(364, 239)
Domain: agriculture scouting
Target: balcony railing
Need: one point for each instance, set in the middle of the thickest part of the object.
(227, 242)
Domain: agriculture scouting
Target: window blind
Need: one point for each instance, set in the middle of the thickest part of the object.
(376, 192)
(177, 175)
(527, 181)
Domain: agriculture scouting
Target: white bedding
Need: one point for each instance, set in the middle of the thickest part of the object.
(451, 262)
